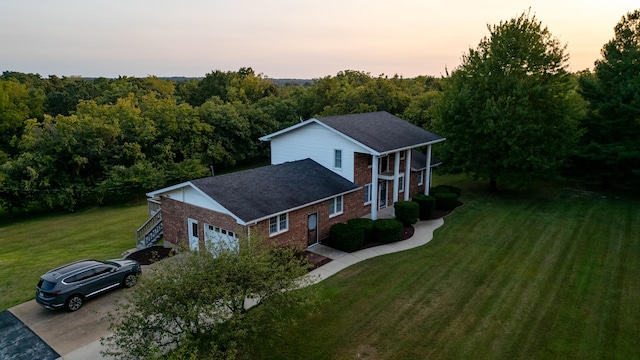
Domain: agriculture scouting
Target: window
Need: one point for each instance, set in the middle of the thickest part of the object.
(79, 277)
(384, 164)
(194, 229)
(337, 161)
(278, 224)
(335, 206)
(103, 270)
(420, 178)
(367, 194)
(401, 183)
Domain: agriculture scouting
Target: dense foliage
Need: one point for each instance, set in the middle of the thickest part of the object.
(407, 212)
(200, 306)
(426, 205)
(510, 110)
(67, 141)
(346, 237)
(611, 146)
(387, 230)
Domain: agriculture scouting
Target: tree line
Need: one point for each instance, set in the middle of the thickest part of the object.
(511, 111)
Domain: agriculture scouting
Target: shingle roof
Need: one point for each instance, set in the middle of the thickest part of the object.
(380, 130)
(259, 193)
(419, 161)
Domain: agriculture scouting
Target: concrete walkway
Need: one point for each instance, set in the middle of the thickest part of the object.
(86, 344)
(423, 233)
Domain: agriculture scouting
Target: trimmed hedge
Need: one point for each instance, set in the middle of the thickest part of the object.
(445, 189)
(407, 212)
(427, 205)
(346, 237)
(366, 225)
(387, 230)
(446, 200)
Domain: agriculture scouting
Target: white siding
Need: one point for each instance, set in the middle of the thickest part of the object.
(189, 195)
(317, 143)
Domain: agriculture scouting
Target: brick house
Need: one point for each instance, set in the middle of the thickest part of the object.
(323, 171)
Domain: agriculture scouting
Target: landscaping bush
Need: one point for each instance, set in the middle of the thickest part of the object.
(346, 237)
(366, 225)
(407, 212)
(446, 200)
(445, 189)
(387, 230)
(427, 205)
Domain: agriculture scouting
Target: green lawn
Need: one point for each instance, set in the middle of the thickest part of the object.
(549, 274)
(30, 247)
(555, 274)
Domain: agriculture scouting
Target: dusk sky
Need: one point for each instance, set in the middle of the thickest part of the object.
(278, 38)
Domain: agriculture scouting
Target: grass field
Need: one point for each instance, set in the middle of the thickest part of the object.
(549, 274)
(555, 274)
(30, 247)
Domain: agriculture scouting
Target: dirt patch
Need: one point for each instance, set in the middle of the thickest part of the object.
(367, 352)
(150, 255)
(316, 260)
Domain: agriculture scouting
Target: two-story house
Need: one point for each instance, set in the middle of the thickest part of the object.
(323, 171)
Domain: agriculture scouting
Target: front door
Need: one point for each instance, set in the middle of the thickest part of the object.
(194, 241)
(382, 185)
(312, 229)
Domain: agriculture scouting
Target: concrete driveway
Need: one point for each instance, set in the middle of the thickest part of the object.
(73, 335)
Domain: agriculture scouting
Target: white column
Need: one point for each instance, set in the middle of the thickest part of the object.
(396, 173)
(374, 187)
(427, 177)
(407, 174)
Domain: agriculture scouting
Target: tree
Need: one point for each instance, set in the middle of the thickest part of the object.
(18, 102)
(509, 111)
(610, 148)
(195, 305)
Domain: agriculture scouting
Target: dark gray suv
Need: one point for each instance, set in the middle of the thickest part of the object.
(70, 285)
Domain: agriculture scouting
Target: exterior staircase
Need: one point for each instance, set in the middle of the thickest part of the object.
(151, 232)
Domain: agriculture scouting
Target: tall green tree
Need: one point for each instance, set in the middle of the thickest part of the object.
(611, 147)
(509, 111)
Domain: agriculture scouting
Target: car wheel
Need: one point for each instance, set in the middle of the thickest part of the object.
(74, 302)
(130, 280)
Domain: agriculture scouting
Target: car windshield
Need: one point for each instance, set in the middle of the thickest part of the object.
(112, 263)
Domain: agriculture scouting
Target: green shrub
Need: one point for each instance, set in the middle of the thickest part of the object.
(387, 230)
(346, 237)
(366, 225)
(407, 212)
(427, 204)
(446, 200)
(445, 189)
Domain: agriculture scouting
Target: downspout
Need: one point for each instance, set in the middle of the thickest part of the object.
(374, 187)
(427, 177)
(407, 174)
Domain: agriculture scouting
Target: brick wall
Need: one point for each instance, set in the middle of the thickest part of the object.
(353, 207)
(361, 169)
(175, 215)
(414, 188)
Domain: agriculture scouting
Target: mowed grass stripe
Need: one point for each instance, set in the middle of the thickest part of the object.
(551, 276)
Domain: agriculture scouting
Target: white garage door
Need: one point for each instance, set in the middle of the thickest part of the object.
(218, 238)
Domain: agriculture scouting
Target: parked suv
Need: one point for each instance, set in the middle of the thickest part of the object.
(70, 285)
